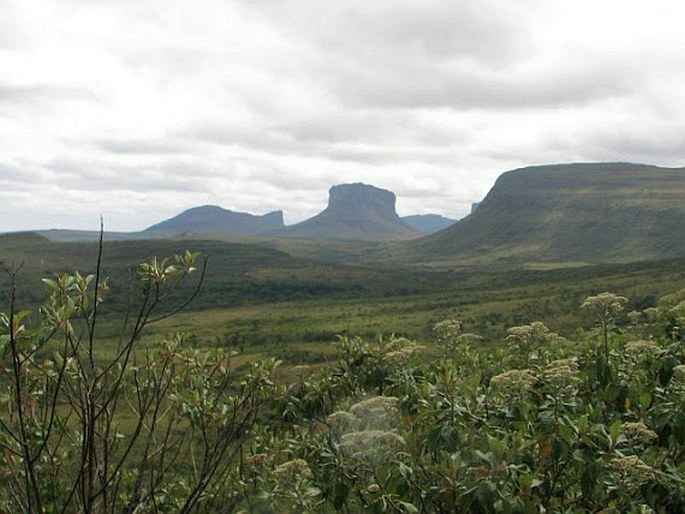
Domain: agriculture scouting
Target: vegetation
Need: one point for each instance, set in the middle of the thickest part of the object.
(588, 422)
(264, 302)
(550, 424)
(130, 430)
(564, 215)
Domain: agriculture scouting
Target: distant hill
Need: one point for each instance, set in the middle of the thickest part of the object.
(211, 219)
(568, 214)
(428, 223)
(355, 212)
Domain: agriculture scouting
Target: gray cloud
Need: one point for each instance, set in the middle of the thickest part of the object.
(371, 138)
(482, 30)
(141, 109)
(41, 93)
(134, 146)
(502, 91)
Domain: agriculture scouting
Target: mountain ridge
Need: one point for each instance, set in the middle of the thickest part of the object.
(579, 213)
(215, 219)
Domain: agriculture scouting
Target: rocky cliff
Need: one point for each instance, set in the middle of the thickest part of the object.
(355, 212)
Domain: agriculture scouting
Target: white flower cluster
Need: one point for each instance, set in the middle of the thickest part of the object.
(515, 380)
(679, 373)
(400, 349)
(642, 348)
(371, 445)
(258, 460)
(570, 363)
(379, 412)
(678, 312)
(632, 471)
(342, 422)
(561, 373)
(447, 330)
(469, 339)
(605, 305)
(638, 432)
(297, 468)
(366, 431)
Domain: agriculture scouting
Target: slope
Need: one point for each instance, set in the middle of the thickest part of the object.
(569, 214)
(211, 219)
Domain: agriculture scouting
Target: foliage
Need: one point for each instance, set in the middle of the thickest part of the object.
(539, 424)
(566, 431)
(264, 301)
(153, 429)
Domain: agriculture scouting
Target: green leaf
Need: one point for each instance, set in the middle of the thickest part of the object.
(408, 507)
(679, 426)
(19, 316)
(52, 284)
(406, 471)
(615, 430)
(450, 438)
(486, 496)
(496, 446)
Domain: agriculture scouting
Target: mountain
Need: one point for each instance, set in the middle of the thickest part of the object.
(567, 215)
(428, 223)
(211, 219)
(355, 212)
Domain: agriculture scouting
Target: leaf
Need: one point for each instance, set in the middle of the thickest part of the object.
(536, 483)
(486, 496)
(615, 430)
(19, 316)
(406, 471)
(408, 507)
(496, 446)
(50, 283)
(679, 427)
(450, 438)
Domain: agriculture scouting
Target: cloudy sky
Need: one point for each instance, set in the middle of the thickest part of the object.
(136, 110)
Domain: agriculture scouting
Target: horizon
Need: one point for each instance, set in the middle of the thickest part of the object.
(196, 207)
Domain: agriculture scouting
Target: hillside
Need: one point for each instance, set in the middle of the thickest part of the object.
(355, 212)
(566, 215)
(237, 273)
(264, 296)
(211, 219)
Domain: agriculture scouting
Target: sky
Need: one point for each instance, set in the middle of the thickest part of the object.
(135, 110)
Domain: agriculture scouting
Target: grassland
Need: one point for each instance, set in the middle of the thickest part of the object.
(263, 302)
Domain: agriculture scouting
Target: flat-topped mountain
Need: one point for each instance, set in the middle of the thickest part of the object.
(428, 223)
(211, 219)
(356, 212)
(568, 214)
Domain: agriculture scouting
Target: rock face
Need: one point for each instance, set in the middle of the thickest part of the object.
(428, 223)
(355, 212)
(569, 214)
(211, 219)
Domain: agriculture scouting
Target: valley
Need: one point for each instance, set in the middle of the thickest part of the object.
(318, 366)
(261, 301)
(542, 240)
